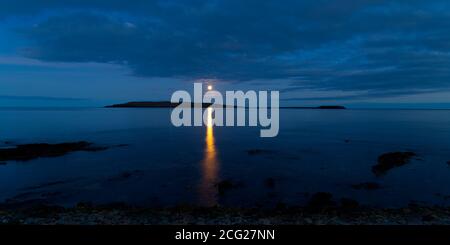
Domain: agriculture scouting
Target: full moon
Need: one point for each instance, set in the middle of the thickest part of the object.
(210, 87)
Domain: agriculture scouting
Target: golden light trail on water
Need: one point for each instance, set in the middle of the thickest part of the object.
(210, 166)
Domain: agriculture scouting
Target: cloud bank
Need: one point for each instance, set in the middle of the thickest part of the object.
(347, 45)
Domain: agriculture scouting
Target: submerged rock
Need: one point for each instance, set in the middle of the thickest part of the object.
(444, 197)
(85, 205)
(46, 184)
(428, 217)
(254, 152)
(269, 182)
(32, 151)
(125, 175)
(349, 204)
(366, 186)
(321, 201)
(391, 160)
(272, 154)
(226, 185)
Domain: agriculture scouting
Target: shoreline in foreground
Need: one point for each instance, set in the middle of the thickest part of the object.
(84, 214)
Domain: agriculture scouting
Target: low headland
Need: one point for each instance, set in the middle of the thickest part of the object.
(152, 104)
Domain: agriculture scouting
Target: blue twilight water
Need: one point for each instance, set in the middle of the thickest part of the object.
(316, 150)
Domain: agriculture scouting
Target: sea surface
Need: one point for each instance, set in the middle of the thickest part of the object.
(152, 163)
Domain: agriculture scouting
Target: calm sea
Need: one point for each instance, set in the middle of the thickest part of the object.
(315, 151)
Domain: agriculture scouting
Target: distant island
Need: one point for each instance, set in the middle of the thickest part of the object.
(168, 104)
(325, 107)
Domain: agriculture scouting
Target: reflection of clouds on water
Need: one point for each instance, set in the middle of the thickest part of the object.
(210, 164)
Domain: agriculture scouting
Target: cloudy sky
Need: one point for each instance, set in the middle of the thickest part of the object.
(366, 53)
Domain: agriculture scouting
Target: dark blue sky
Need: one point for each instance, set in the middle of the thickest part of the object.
(352, 52)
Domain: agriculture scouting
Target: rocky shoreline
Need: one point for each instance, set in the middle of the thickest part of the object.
(27, 152)
(119, 214)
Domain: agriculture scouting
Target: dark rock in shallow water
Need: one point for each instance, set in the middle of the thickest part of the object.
(254, 152)
(320, 201)
(84, 205)
(428, 217)
(448, 163)
(269, 182)
(349, 204)
(226, 185)
(444, 197)
(391, 160)
(280, 206)
(367, 186)
(271, 154)
(115, 206)
(32, 151)
(125, 175)
(45, 185)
